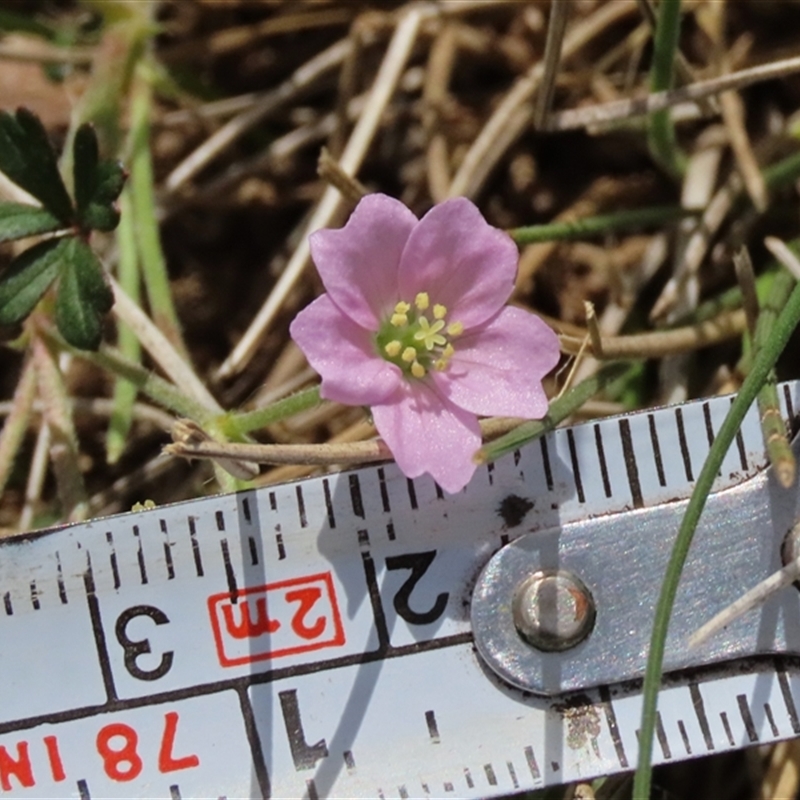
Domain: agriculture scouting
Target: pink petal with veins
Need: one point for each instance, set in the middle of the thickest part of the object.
(497, 369)
(426, 433)
(358, 263)
(461, 261)
(343, 353)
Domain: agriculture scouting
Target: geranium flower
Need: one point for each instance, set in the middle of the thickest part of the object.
(414, 325)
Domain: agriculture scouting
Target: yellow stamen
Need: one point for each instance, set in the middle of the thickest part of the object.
(393, 348)
(422, 301)
(409, 355)
(402, 308)
(440, 365)
(455, 328)
(417, 370)
(398, 320)
(429, 334)
(439, 311)
(448, 350)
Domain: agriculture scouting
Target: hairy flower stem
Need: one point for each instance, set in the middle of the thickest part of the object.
(764, 361)
(236, 425)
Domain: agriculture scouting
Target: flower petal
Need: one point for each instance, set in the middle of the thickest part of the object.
(358, 263)
(461, 261)
(343, 353)
(497, 369)
(426, 433)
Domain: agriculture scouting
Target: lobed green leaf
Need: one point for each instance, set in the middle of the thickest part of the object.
(18, 220)
(28, 277)
(83, 297)
(97, 183)
(28, 159)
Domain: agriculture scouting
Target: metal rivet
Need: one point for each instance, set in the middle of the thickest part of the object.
(553, 610)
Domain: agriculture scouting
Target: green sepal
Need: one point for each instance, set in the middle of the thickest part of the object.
(28, 277)
(97, 183)
(83, 297)
(28, 159)
(18, 220)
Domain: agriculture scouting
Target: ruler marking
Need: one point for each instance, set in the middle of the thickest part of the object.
(301, 506)
(174, 792)
(742, 451)
(771, 720)
(513, 773)
(576, 470)
(35, 596)
(710, 435)
(390, 531)
(747, 717)
(787, 396)
(517, 456)
(230, 575)
(281, 548)
(273, 502)
(113, 559)
(98, 632)
(378, 613)
(728, 732)
(167, 550)
(326, 490)
(246, 510)
(7, 604)
(468, 778)
(254, 740)
(251, 542)
(687, 460)
(601, 455)
(356, 500)
(490, 776)
(220, 518)
(62, 589)
(412, 493)
(349, 761)
(403, 792)
(631, 467)
(425, 788)
(363, 538)
(440, 493)
(198, 561)
(433, 728)
(448, 787)
(613, 727)
(83, 790)
(140, 555)
(530, 759)
(311, 788)
(788, 700)
(662, 478)
(661, 735)
(548, 472)
(384, 491)
(700, 713)
(489, 475)
(685, 736)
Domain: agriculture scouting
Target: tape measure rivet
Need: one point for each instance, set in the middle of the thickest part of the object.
(553, 610)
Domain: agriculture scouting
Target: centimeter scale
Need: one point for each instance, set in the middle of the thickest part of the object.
(315, 639)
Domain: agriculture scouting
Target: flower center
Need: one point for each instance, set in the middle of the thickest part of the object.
(414, 342)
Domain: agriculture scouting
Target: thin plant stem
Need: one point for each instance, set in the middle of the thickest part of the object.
(151, 256)
(559, 410)
(16, 425)
(763, 362)
(124, 391)
(601, 224)
(661, 131)
(236, 425)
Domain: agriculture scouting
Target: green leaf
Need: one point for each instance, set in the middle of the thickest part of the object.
(83, 298)
(27, 279)
(28, 159)
(18, 220)
(84, 165)
(97, 183)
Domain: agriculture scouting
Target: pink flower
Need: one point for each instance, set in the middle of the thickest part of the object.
(414, 325)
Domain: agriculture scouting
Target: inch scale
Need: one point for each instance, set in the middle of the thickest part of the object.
(314, 639)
